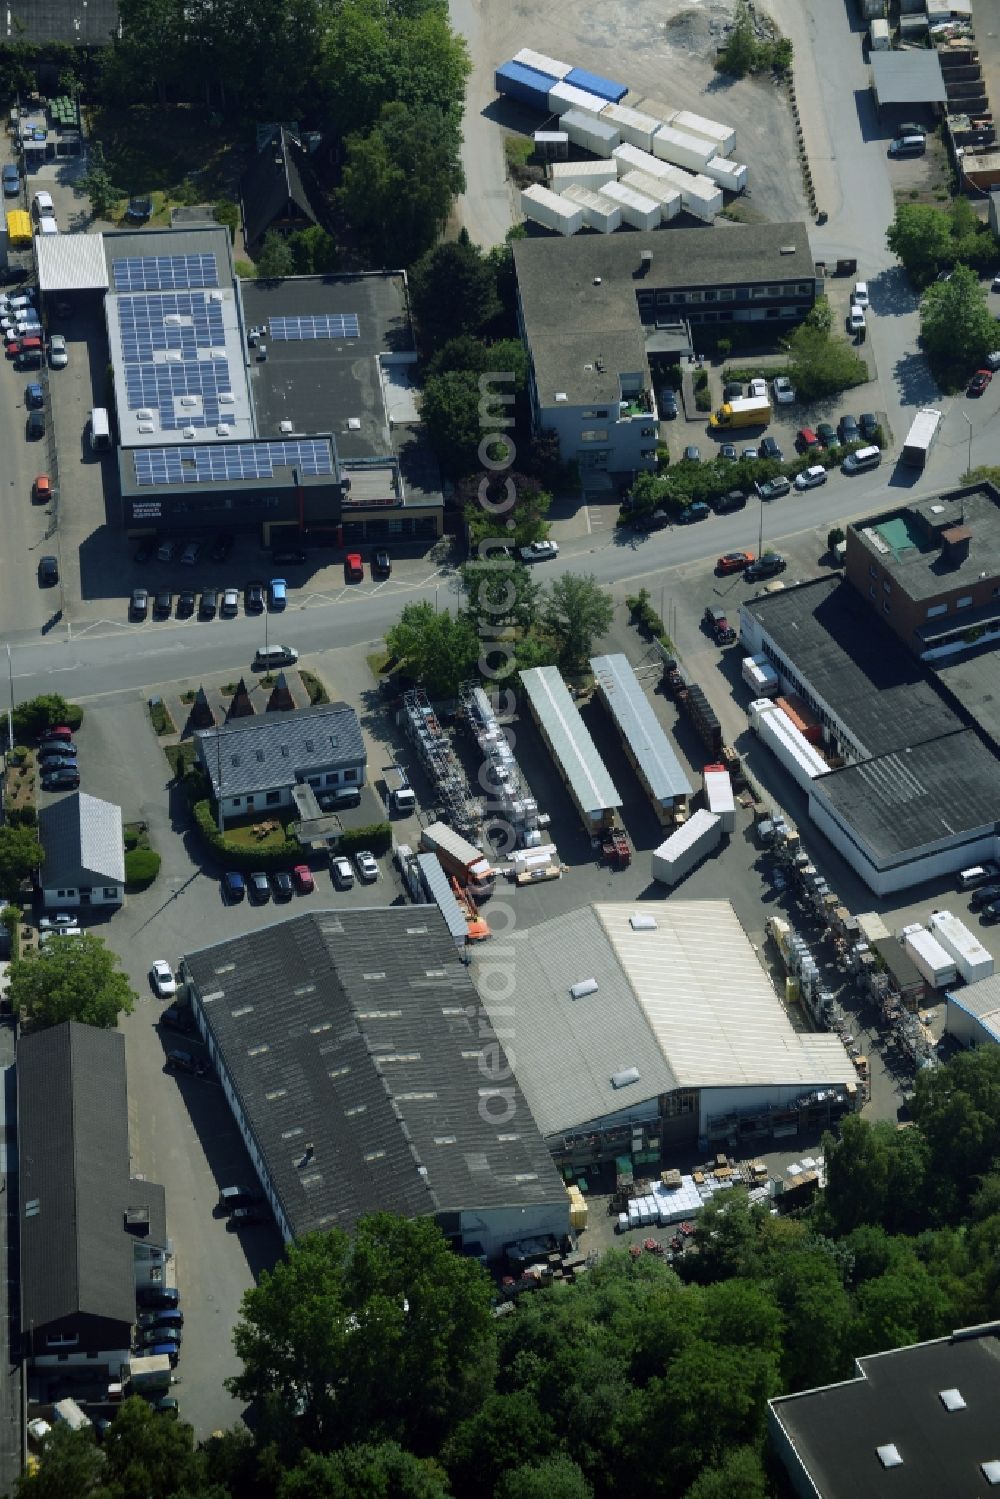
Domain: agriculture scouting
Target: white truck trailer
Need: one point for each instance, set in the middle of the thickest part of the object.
(679, 854)
(935, 965)
(719, 797)
(545, 207)
(971, 958)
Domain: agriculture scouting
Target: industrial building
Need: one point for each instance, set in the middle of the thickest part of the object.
(912, 792)
(363, 1074)
(567, 738)
(972, 1014)
(652, 1026)
(627, 302)
(917, 1421)
(649, 751)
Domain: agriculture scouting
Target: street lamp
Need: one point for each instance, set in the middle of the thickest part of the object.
(968, 423)
(10, 703)
(760, 533)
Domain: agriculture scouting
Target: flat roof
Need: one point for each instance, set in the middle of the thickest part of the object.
(972, 681)
(71, 262)
(854, 662)
(910, 542)
(570, 740)
(917, 796)
(640, 727)
(38, 22)
(981, 1000)
(895, 1400)
(358, 1033)
(909, 77)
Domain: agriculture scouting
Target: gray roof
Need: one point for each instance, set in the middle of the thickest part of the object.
(913, 76)
(279, 174)
(73, 1154)
(906, 543)
(896, 1399)
(853, 661)
(359, 1032)
(943, 791)
(638, 724)
(981, 1000)
(569, 739)
(83, 841)
(36, 22)
(71, 262)
(273, 750)
(443, 896)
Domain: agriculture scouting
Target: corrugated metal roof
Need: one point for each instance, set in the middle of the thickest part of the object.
(633, 713)
(444, 897)
(910, 77)
(71, 262)
(570, 739)
(980, 1000)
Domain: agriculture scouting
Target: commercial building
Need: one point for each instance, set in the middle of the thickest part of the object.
(644, 739)
(574, 753)
(972, 1015)
(651, 1026)
(91, 1234)
(258, 763)
(912, 793)
(84, 847)
(919, 1421)
(931, 568)
(363, 1074)
(600, 312)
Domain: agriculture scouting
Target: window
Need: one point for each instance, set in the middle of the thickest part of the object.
(871, 590)
(964, 602)
(595, 434)
(237, 801)
(872, 570)
(757, 292)
(694, 296)
(592, 415)
(663, 298)
(333, 778)
(774, 312)
(352, 773)
(886, 606)
(725, 294)
(61, 1339)
(273, 798)
(111, 892)
(886, 586)
(645, 298)
(313, 780)
(710, 296)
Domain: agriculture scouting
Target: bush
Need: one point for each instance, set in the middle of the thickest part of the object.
(22, 817)
(142, 865)
(228, 214)
(834, 539)
(703, 399)
(377, 838)
(701, 380)
(159, 717)
(32, 718)
(317, 692)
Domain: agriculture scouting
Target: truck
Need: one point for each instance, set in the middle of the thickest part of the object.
(401, 795)
(719, 796)
(971, 958)
(745, 411)
(459, 857)
(149, 1374)
(679, 854)
(760, 676)
(920, 439)
(69, 1414)
(935, 966)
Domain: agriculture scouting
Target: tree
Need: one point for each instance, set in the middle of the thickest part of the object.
(556, 1477)
(920, 236)
(70, 1463)
(71, 979)
(383, 1336)
(501, 594)
(834, 538)
(20, 855)
(956, 324)
(577, 612)
(275, 258)
(739, 1473)
(449, 406)
(399, 181)
(740, 55)
(453, 288)
(148, 1455)
(314, 252)
(506, 1431)
(821, 364)
(33, 717)
(384, 1471)
(511, 507)
(439, 650)
(97, 184)
(957, 1109)
(468, 353)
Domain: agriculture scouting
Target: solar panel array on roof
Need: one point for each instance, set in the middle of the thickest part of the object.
(243, 460)
(174, 352)
(164, 272)
(184, 321)
(325, 325)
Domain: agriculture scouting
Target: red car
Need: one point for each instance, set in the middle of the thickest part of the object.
(354, 568)
(304, 882)
(806, 440)
(733, 562)
(979, 382)
(13, 348)
(60, 734)
(41, 490)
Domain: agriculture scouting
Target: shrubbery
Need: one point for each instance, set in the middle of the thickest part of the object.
(142, 865)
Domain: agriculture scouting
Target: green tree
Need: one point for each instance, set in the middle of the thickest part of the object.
(957, 1109)
(70, 1463)
(875, 1174)
(20, 855)
(150, 1456)
(740, 54)
(904, 1306)
(834, 538)
(920, 237)
(506, 1431)
(439, 650)
(956, 324)
(71, 979)
(468, 353)
(314, 252)
(512, 508)
(33, 717)
(399, 182)
(453, 288)
(384, 1471)
(449, 406)
(820, 363)
(556, 1477)
(275, 258)
(383, 1336)
(577, 612)
(501, 594)
(739, 1473)
(97, 182)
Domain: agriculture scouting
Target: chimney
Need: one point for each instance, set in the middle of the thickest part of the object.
(645, 261)
(955, 544)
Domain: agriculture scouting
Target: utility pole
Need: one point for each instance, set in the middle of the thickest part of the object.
(10, 702)
(968, 423)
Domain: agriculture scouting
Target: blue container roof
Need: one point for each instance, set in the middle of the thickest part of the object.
(604, 88)
(518, 73)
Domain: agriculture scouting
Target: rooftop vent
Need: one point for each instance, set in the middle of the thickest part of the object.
(646, 258)
(642, 923)
(787, 250)
(625, 1078)
(991, 1471)
(597, 280)
(952, 1400)
(889, 1456)
(285, 426)
(354, 424)
(583, 988)
(560, 395)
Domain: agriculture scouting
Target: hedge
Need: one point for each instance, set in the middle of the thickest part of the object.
(278, 856)
(377, 838)
(142, 865)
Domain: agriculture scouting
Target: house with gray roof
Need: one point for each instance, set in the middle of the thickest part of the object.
(91, 1234)
(84, 852)
(255, 763)
(279, 191)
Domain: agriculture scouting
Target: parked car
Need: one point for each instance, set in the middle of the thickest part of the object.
(61, 780)
(254, 596)
(979, 382)
(48, 571)
(58, 353)
(233, 885)
(34, 396)
(35, 426)
(993, 360)
(11, 181)
(209, 604)
(381, 564)
(163, 604)
(57, 754)
(158, 1296)
(991, 912)
(732, 390)
(342, 873)
(277, 591)
(733, 562)
(827, 435)
(715, 622)
(848, 429)
(163, 979)
(288, 556)
(859, 296)
(302, 877)
(768, 565)
(191, 553)
(259, 886)
(282, 882)
(692, 453)
(41, 489)
(782, 390)
(185, 603)
(222, 546)
(58, 933)
(806, 439)
(769, 449)
(983, 896)
(811, 477)
(185, 1061)
(855, 320)
(773, 489)
(539, 551)
(727, 450)
(139, 603)
(749, 455)
(231, 1198)
(164, 1316)
(733, 499)
(691, 513)
(246, 1218)
(57, 919)
(61, 732)
(146, 550)
(164, 1350)
(367, 865)
(668, 404)
(868, 424)
(230, 603)
(174, 1019)
(161, 1335)
(354, 568)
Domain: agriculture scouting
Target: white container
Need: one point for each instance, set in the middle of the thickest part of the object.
(665, 113)
(633, 1214)
(551, 145)
(598, 213)
(545, 207)
(623, 1223)
(730, 175)
(937, 966)
(639, 211)
(635, 128)
(631, 159)
(719, 797)
(803, 763)
(541, 63)
(684, 849)
(872, 927)
(592, 174)
(564, 97)
(971, 958)
(590, 134)
(880, 38)
(722, 137)
(680, 149)
(525, 859)
(700, 195)
(760, 676)
(661, 192)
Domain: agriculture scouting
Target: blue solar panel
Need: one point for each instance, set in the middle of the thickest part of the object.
(233, 461)
(174, 352)
(164, 272)
(325, 325)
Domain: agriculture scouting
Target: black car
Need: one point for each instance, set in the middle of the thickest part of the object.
(734, 499)
(282, 882)
(163, 605)
(260, 889)
(732, 390)
(146, 550)
(848, 429)
(869, 424)
(769, 449)
(254, 597)
(61, 780)
(139, 603)
(984, 896)
(382, 564)
(158, 1296)
(767, 566)
(174, 1019)
(293, 556)
(183, 1061)
(209, 604)
(245, 1218)
(668, 404)
(690, 513)
(990, 912)
(185, 603)
(692, 453)
(139, 209)
(36, 425)
(57, 754)
(48, 571)
(222, 546)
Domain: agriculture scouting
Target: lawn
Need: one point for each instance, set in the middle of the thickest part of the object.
(244, 836)
(181, 154)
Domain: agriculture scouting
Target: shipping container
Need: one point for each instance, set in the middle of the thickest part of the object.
(731, 176)
(879, 37)
(593, 83)
(665, 113)
(149, 1373)
(722, 137)
(971, 958)
(551, 145)
(679, 854)
(719, 796)
(640, 212)
(681, 150)
(524, 85)
(598, 213)
(592, 174)
(598, 136)
(563, 97)
(545, 207)
(937, 966)
(18, 229)
(700, 195)
(661, 192)
(542, 64)
(69, 1414)
(632, 159)
(872, 928)
(802, 716)
(638, 129)
(803, 763)
(760, 676)
(920, 439)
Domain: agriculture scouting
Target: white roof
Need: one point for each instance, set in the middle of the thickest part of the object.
(570, 739)
(639, 725)
(71, 262)
(981, 1000)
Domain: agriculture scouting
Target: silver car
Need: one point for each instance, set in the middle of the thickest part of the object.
(58, 354)
(230, 603)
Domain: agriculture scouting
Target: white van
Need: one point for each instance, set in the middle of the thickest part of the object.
(856, 463)
(42, 206)
(48, 225)
(274, 655)
(100, 429)
(979, 874)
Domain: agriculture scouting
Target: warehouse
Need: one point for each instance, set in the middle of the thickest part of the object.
(642, 1027)
(973, 1013)
(363, 1075)
(644, 740)
(568, 741)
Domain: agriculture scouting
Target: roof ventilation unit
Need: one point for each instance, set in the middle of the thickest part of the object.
(285, 426)
(190, 433)
(624, 1078)
(952, 1400)
(583, 988)
(642, 923)
(888, 1455)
